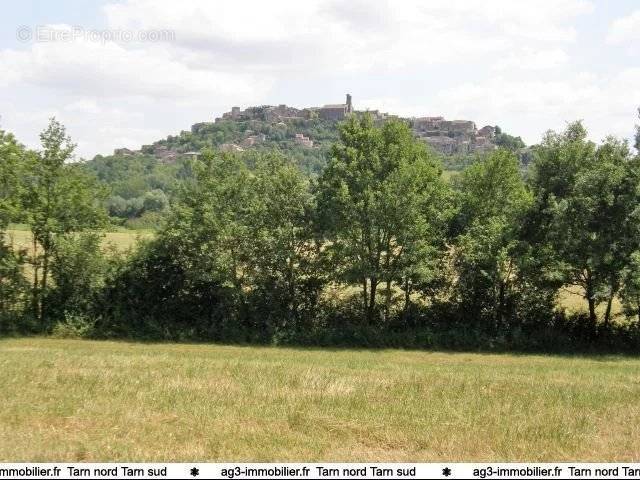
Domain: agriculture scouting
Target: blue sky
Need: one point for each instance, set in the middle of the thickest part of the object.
(526, 66)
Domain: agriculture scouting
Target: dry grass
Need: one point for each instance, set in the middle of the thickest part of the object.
(572, 300)
(569, 299)
(68, 400)
(21, 238)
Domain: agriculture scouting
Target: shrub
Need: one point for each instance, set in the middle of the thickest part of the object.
(73, 326)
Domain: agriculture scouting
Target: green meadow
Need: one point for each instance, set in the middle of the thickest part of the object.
(79, 400)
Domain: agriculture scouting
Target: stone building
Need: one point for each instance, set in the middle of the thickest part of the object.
(164, 153)
(336, 112)
(443, 144)
(487, 131)
(453, 136)
(301, 139)
(252, 140)
(230, 147)
(427, 124)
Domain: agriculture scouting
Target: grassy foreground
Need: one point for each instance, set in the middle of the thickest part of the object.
(75, 400)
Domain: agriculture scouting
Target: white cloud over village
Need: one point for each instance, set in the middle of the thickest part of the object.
(496, 62)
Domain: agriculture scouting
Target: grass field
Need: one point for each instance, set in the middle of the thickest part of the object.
(21, 238)
(76, 400)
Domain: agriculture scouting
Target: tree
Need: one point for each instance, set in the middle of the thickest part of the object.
(155, 201)
(493, 200)
(630, 292)
(209, 222)
(249, 233)
(77, 271)
(508, 142)
(586, 212)
(383, 208)
(59, 198)
(283, 254)
(637, 135)
(12, 157)
(12, 281)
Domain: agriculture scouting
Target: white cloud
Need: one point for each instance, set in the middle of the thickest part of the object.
(359, 35)
(625, 29)
(496, 61)
(110, 70)
(607, 104)
(531, 59)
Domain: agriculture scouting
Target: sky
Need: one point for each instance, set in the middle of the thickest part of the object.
(130, 72)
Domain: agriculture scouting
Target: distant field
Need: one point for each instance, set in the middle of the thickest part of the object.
(449, 174)
(123, 240)
(21, 238)
(572, 300)
(75, 400)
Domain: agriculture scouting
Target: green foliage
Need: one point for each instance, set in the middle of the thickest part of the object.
(58, 198)
(13, 289)
(378, 250)
(241, 238)
(630, 292)
(508, 142)
(73, 326)
(13, 284)
(137, 184)
(78, 270)
(383, 210)
(491, 280)
(586, 212)
(636, 143)
(11, 160)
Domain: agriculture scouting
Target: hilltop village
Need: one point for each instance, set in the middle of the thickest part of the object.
(282, 123)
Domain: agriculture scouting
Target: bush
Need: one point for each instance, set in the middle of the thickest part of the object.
(73, 326)
(77, 271)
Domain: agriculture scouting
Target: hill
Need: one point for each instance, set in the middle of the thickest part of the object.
(142, 181)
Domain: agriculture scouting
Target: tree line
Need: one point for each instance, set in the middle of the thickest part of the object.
(378, 250)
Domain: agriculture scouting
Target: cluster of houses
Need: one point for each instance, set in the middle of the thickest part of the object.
(273, 114)
(445, 136)
(454, 136)
(163, 153)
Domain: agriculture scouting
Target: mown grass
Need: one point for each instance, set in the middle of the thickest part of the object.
(75, 400)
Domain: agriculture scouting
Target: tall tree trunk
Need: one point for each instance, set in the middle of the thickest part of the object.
(43, 287)
(365, 296)
(36, 282)
(590, 300)
(592, 310)
(407, 296)
(612, 293)
(500, 312)
(387, 306)
(372, 299)
(607, 314)
(292, 303)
